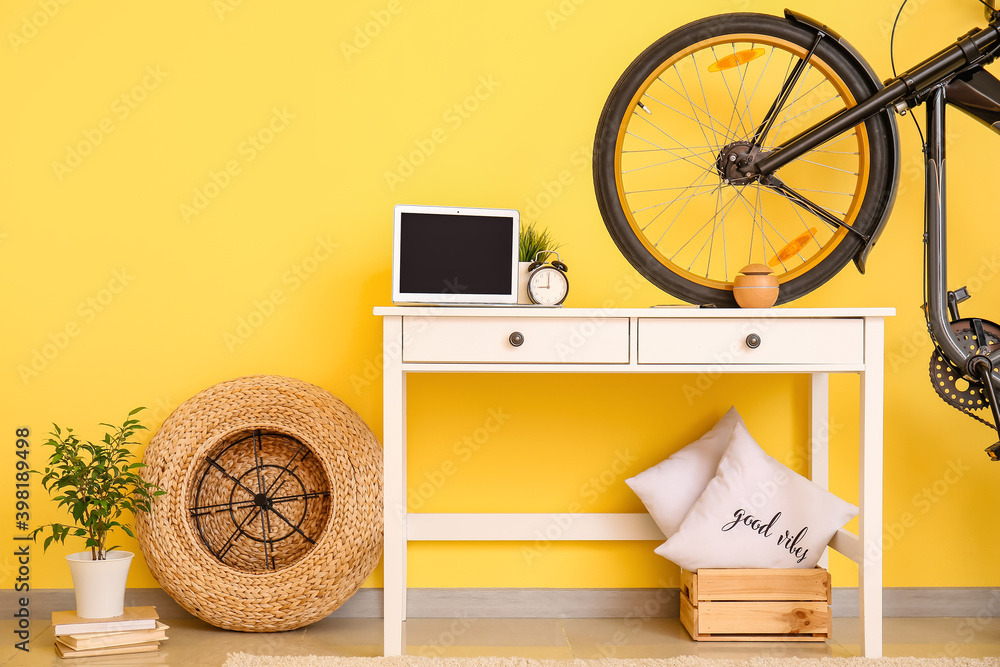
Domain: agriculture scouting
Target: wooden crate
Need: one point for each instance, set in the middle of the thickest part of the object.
(756, 604)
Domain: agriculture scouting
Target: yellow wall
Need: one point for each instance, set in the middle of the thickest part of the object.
(129, 274)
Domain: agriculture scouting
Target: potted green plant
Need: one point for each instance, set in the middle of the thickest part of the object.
(531, 241)
(97, 484)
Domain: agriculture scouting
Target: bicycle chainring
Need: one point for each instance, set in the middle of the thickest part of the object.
(951, 383)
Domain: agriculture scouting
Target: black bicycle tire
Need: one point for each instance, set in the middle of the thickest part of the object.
(882, 153)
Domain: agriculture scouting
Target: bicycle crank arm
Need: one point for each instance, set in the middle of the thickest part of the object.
(776, 184)
(982, 367)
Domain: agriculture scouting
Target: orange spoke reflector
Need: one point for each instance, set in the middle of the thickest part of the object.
(796, 244)
(735, 60)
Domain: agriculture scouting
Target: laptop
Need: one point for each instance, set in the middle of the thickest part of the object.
(445, 255)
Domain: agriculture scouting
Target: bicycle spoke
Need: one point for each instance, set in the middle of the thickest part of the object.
(820, 164)
(721, 212)
(671, 224)
(660, 164)
(777, 130)
(793, 80)
(710, 241)
(697, 194)
(834, 152)
(809, 203)
(763, 71)
(781, 236)
(667, 135)
(822, 212)
(704, 96)
(787, 75)
(795, 98)
(729, 135)
(826, 192)
(764, 240)
(667, 205)
(725, 261)
(743, 89)
(676, 187)
(803, 95)
(794, 248)
(707, 149)
(735, 112)
(691, 102)
(711, 247)
(796, 210)
(835, 140)
(792, 103)
(810, 231)
(651, 143)
(819, 149)
(711, 235)
(675, 110)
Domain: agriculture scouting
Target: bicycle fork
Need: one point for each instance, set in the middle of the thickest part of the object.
(975, 362)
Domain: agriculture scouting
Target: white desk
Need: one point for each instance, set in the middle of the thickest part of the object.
(655, 340)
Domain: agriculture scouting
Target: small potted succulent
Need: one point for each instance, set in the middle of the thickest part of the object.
(532, 241)
(97, 484)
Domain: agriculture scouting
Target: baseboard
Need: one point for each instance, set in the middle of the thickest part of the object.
(555, 602)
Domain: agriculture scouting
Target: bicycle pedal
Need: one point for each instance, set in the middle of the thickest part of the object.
(993, 451)
(961, 294)
(956, 297)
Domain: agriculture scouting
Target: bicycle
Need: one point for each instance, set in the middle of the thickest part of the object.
(749, 138)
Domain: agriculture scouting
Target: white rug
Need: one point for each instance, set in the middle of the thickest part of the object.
(247, 660)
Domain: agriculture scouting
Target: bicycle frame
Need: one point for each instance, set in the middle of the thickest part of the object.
(908, 88)
(977, 364)
(952, 76)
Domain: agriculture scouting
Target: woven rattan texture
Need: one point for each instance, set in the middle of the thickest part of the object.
(310, 581)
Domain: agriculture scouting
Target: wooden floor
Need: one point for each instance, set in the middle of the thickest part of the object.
(194, 643)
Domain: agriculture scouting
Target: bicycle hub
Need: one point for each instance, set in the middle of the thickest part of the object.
(735, 161)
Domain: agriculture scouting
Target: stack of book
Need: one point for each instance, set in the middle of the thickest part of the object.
(135, 631)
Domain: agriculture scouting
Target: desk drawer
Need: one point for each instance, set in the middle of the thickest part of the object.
(559, 340)
(725, 341)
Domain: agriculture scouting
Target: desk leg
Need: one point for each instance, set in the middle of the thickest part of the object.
(870, 569)
(394, 487)
(819, 436)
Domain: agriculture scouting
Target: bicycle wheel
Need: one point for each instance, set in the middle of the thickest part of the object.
(695, 101)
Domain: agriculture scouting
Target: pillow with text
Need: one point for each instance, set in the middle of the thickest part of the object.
(756, 512)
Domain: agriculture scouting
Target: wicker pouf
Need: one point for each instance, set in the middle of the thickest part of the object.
(273, 513)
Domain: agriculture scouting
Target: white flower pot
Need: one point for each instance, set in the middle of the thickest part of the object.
(522, 283)
(99, 584)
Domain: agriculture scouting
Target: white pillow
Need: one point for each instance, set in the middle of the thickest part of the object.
(671, 487)
(756, 513)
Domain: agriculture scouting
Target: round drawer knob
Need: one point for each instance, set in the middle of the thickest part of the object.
(753, 341)
(516, 339)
